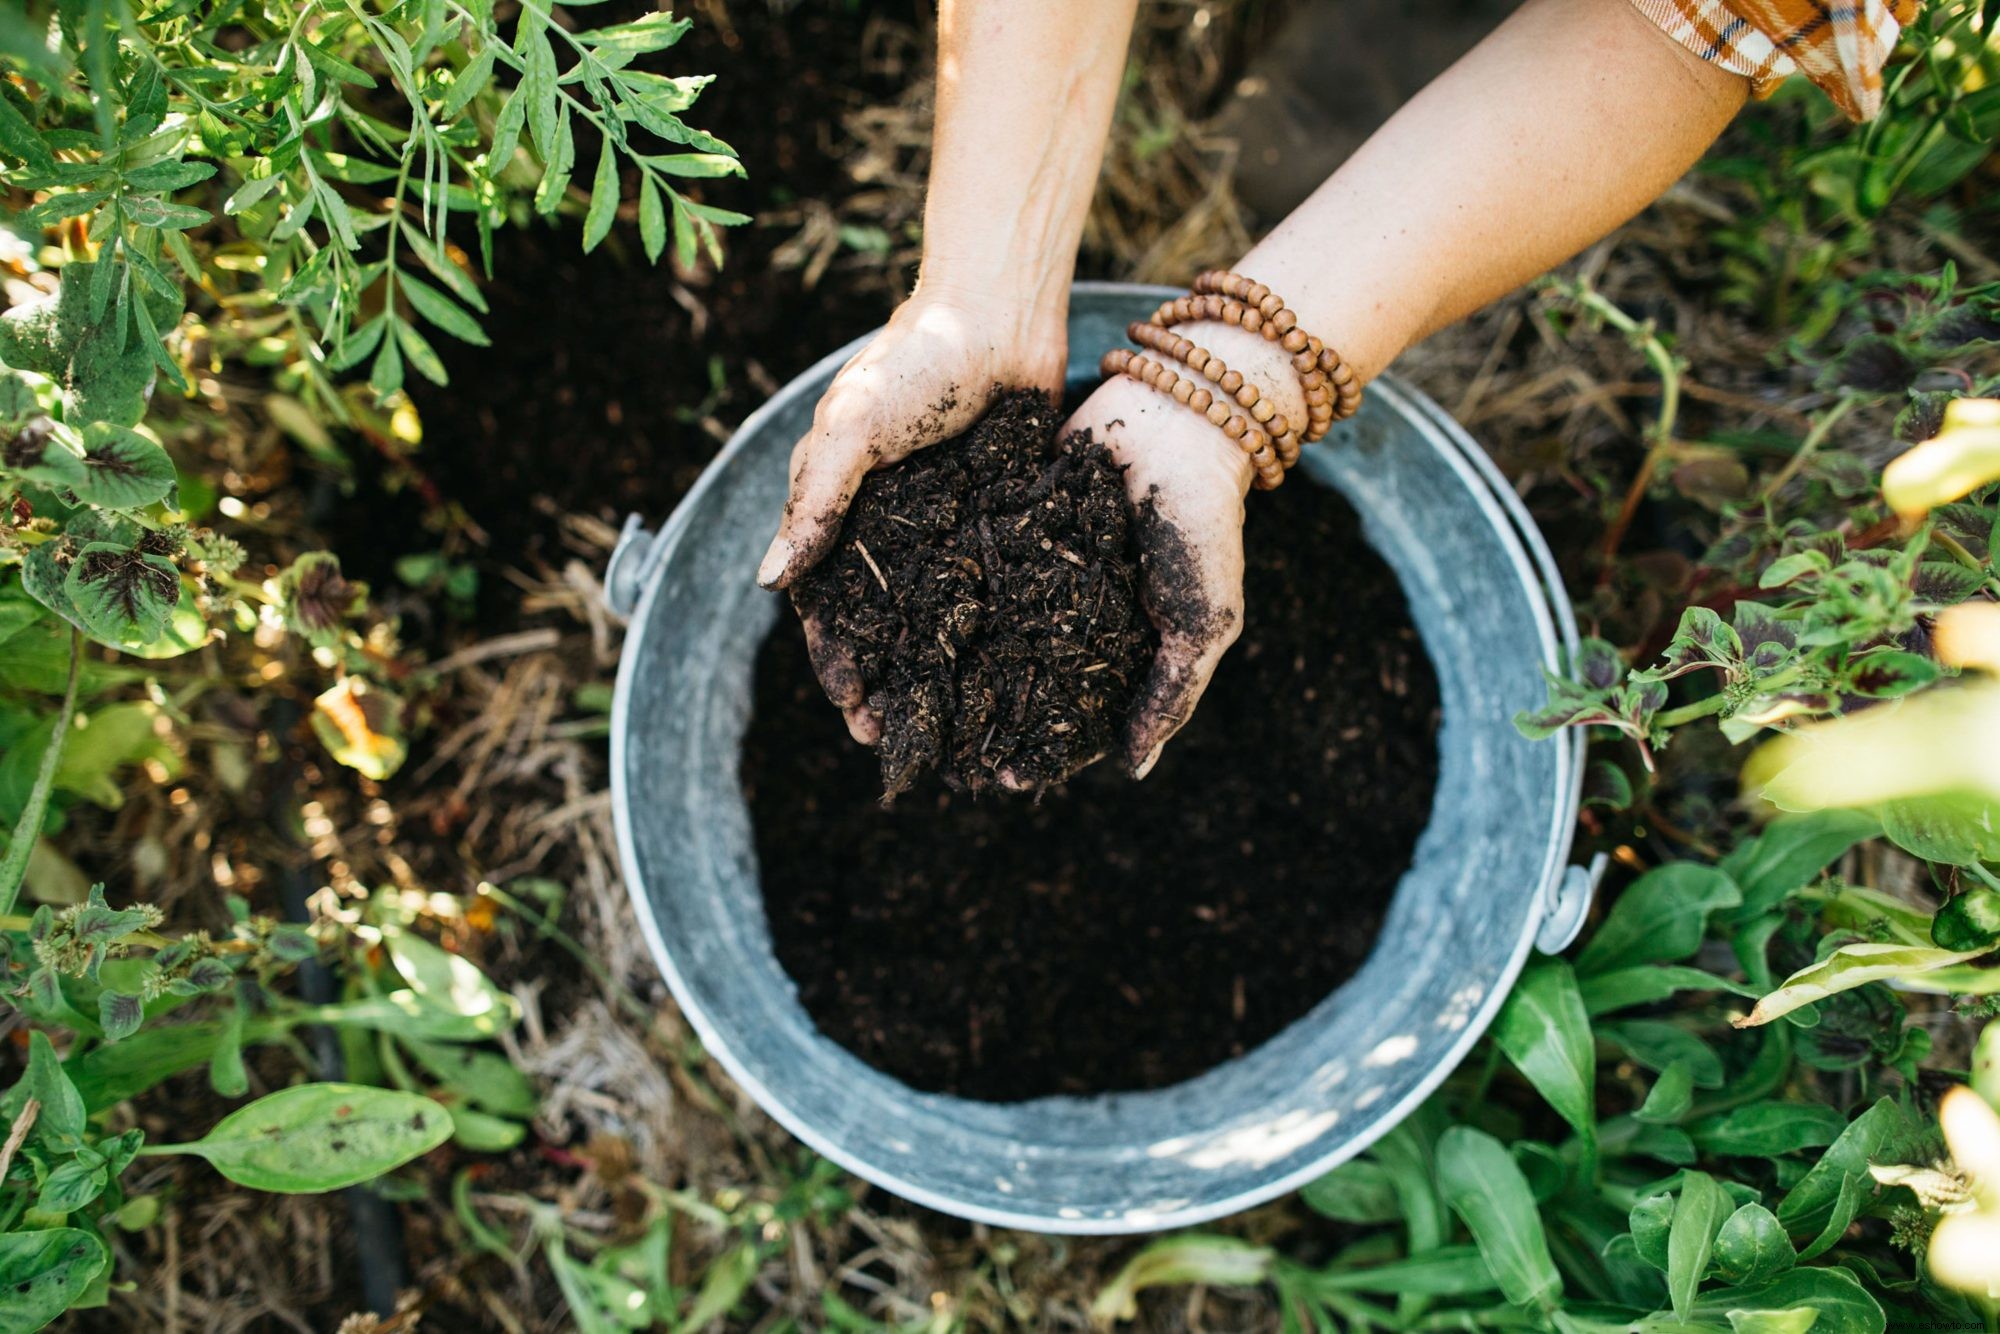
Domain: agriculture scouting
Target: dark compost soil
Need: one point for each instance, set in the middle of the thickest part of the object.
(1115, 935)
(988, 590)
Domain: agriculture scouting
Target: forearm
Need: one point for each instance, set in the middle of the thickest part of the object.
(1025, 92)
(1569, 119)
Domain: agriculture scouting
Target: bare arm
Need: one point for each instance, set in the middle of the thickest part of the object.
(1566, 121)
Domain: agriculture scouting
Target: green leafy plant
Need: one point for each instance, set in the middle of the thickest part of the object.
(1694, 1169)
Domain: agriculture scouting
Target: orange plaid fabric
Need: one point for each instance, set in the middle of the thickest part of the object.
(1841, 45)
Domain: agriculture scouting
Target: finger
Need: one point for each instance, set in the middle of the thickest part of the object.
(825, 472)
(1181, 671)
(840, 678)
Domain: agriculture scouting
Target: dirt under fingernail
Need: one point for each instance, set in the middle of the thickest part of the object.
(987, 589)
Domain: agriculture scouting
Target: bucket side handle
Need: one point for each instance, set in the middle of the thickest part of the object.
(1568, 904)
(638, 553)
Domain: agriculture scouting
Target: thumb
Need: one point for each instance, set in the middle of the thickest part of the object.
(825, 475)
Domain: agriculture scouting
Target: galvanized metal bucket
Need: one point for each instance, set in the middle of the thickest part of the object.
(1490, 879)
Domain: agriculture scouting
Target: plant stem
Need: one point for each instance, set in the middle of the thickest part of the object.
(1687, 713)
(29, 829)
(1808, 447)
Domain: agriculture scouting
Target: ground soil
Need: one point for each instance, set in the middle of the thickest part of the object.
(1115, 935)
(987, 590)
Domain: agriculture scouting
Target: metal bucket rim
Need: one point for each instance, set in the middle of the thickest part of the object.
(1554, 618)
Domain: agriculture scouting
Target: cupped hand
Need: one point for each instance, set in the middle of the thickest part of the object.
(927, 377)
(1187, 482)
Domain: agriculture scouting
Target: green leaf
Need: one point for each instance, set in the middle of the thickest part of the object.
(1809, 1204)
(484, 1078)
(604, 196)
(652, 218)
(1752, 1247)
(1768, 1129)
(1660, 918)
(1657, 1044)
(483, 1132)
(418, 349)
(1843, 1305)
(1546, 1034)
(450, 982)
(1484, 1187)
(145, 211)
(1643, 984)
(1794, 1320)
(655, 32)
(1698, 1216)
(1651, 1222)
(697, 166)
(122, 594)
(538, 83)
(1358, 1191)
(43, 1273)
(119, 1015)
(71, 1186)
(1956, 829)
(320, 1137)
(122, 470)
(167, 176)
(1969, 921)
(1790, 854)
(60, 1122)
(443, 312)
(468, 84)
(1670, 1097)
(1848, 967)
(1452, 1271)
(226, 1073)
(1189, 1258)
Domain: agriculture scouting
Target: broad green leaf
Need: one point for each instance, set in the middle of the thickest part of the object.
(1660, 918)
(1699, 1215)
(1545, 1032)
(122, 594)
(1790, 854)
(1358, 1191)
(1657, 1044)
(652, 218)
(119, 1014)
(450, 982)
(1844, 1306)
(1670, 1097)
(403, 1014)
(1189, 1258)
(1767, 1129)
(1808, 1205)
(320, 1137)
(226, 1074)
(1970, 921)
(72, 1185)
(1956, 829)
(44, 1273)
(1646, 983)
(484, 1078)
(1485, 1188)
(1849, 967)
(1752, 1247)
(60, 1121)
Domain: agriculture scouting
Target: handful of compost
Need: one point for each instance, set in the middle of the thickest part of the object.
(987, 591)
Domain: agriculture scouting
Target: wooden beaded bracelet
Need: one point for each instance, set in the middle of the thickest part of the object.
(1248, 396)
(1253, 439)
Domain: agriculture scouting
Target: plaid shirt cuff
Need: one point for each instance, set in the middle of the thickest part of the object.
(1840, 46)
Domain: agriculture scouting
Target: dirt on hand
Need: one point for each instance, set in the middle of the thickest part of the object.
(987, 589)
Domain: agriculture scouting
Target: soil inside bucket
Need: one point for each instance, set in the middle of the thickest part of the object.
(1114, 935)
(988, 589)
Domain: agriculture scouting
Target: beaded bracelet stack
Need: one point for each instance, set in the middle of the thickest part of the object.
(1272, 442)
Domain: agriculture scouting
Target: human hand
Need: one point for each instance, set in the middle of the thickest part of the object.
(1187, 481)
(927, 377)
